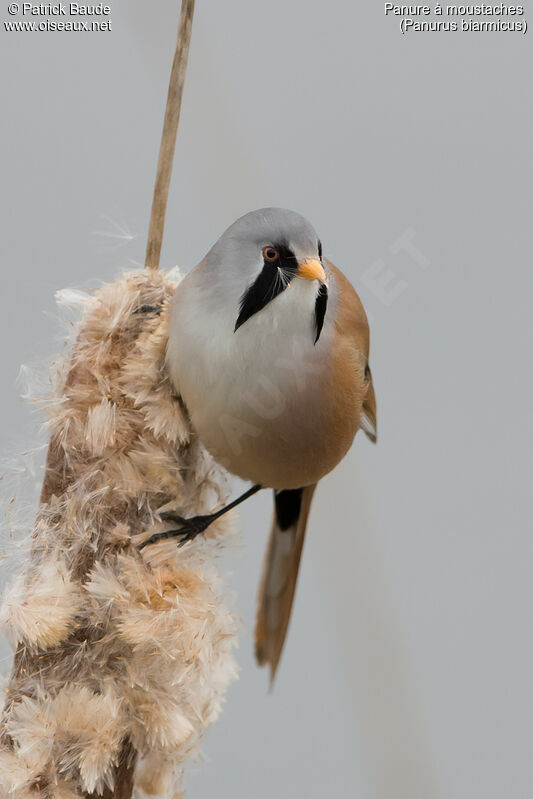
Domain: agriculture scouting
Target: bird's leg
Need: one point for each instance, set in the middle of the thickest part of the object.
(190, 528)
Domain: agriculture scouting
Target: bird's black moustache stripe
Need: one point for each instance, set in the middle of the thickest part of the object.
(271, 281)
(321, 304)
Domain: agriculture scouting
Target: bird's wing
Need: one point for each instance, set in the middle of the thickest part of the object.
(352, 324)
(369, 419)
(280, 573)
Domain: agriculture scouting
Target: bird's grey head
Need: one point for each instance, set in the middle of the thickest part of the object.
(260, 254)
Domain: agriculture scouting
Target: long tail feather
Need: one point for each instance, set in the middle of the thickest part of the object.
(280, 573)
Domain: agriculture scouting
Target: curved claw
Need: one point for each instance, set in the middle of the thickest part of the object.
(189, 529)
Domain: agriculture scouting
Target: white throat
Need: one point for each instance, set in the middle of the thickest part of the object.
(208, 361)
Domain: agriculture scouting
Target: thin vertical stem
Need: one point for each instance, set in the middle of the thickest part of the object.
(168, 137)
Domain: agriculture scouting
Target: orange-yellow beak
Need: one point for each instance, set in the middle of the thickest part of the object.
(311, 269)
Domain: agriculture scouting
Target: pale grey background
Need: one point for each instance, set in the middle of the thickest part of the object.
(407, 673)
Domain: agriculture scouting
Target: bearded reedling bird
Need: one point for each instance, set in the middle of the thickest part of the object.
(268, 348)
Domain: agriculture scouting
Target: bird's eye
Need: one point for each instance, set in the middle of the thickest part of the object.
(270, 254)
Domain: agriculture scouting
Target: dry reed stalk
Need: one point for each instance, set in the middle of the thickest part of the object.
(121, 661)
(168, 136)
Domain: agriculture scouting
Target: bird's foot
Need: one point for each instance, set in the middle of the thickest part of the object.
(187, 531)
